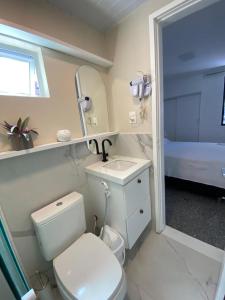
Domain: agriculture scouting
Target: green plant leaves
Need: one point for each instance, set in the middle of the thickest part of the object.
(21, 127)
(34, 131)
(19, 122)
(24, 124)
(14, 129)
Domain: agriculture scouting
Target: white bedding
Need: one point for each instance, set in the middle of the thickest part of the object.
(198, 162)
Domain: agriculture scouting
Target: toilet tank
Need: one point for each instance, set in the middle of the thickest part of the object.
(59, 224)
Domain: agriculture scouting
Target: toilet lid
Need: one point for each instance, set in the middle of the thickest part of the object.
(88, 269)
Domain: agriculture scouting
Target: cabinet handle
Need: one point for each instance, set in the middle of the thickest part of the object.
(141, 211)
(139, 180)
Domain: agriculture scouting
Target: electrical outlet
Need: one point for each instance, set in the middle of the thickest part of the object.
(89, 121)
(94, 121)
(132, 117)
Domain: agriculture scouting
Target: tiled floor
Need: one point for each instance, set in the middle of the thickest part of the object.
(56, 294)
(164, 269)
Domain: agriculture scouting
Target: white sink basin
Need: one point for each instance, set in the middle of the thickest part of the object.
(119, 169)
(119, 165)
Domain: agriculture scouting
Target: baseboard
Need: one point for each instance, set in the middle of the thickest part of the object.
(195, 244)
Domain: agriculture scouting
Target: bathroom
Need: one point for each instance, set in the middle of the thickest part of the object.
(109, 52)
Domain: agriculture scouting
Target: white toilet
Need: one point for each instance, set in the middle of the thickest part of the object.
(84, 267)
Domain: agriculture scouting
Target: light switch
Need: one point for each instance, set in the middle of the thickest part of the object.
(132, 117)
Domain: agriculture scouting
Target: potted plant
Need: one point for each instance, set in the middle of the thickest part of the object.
(20, 135)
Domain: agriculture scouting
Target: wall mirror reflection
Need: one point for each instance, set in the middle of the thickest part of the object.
(92, 100)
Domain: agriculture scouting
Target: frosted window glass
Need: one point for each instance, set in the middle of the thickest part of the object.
(14, 76)
(18, 74)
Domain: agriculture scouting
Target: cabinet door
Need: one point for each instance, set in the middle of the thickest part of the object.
(137, 197)
(137, 222)
(137, 192)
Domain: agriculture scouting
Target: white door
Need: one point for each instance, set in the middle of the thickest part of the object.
(188, 118)
(170, 108)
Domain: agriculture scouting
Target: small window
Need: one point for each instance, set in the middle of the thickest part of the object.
(223, 109)
(21, 69)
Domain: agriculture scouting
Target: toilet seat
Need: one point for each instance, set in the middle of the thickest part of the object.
(119, 294)
(88, 270)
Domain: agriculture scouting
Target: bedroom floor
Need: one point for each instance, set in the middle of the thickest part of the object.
(195, 210)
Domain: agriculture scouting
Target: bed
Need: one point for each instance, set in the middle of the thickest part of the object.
(195, 161)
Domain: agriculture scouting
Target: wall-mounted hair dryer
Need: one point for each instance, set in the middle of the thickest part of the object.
(141, 87)
(85, 103)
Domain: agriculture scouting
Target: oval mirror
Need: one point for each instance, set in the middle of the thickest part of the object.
(92, 100)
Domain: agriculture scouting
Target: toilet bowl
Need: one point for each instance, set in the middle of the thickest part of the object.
(89, 270)
(84, 266)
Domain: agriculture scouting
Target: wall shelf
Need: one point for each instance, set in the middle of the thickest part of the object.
(10, 154)
(32, 36)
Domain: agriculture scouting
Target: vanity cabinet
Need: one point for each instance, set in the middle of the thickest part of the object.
(129, 208)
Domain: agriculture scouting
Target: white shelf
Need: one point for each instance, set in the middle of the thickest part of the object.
(43, 40)
(10, 154)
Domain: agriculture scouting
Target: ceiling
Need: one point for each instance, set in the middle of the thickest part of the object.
(196, 42)
(101, 14)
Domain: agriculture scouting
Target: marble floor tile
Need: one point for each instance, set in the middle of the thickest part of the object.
(164, 269)
(145, 295)
(56, 294)
(133, 291)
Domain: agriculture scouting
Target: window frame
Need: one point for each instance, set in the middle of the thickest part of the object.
(223, 108)
(26, 49)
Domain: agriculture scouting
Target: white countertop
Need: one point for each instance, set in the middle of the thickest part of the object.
(120, 177)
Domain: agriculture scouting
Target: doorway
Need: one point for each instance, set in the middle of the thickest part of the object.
(174, 11)
(194, 71)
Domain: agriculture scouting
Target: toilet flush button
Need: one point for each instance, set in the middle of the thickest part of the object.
(59, 203)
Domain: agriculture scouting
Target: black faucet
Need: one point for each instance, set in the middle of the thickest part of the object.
(104, 154)
(96, 145)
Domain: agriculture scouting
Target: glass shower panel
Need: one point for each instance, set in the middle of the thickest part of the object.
(9, 264)
(5, 291)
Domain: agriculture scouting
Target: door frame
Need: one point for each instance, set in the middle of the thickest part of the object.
(168, 14)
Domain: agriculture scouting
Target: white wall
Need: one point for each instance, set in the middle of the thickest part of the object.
(30, 182)
(199, 34)
(182, 85)
(211, 89)
(129, 49)
(43, 17)
(182, 117)
(211, 109)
